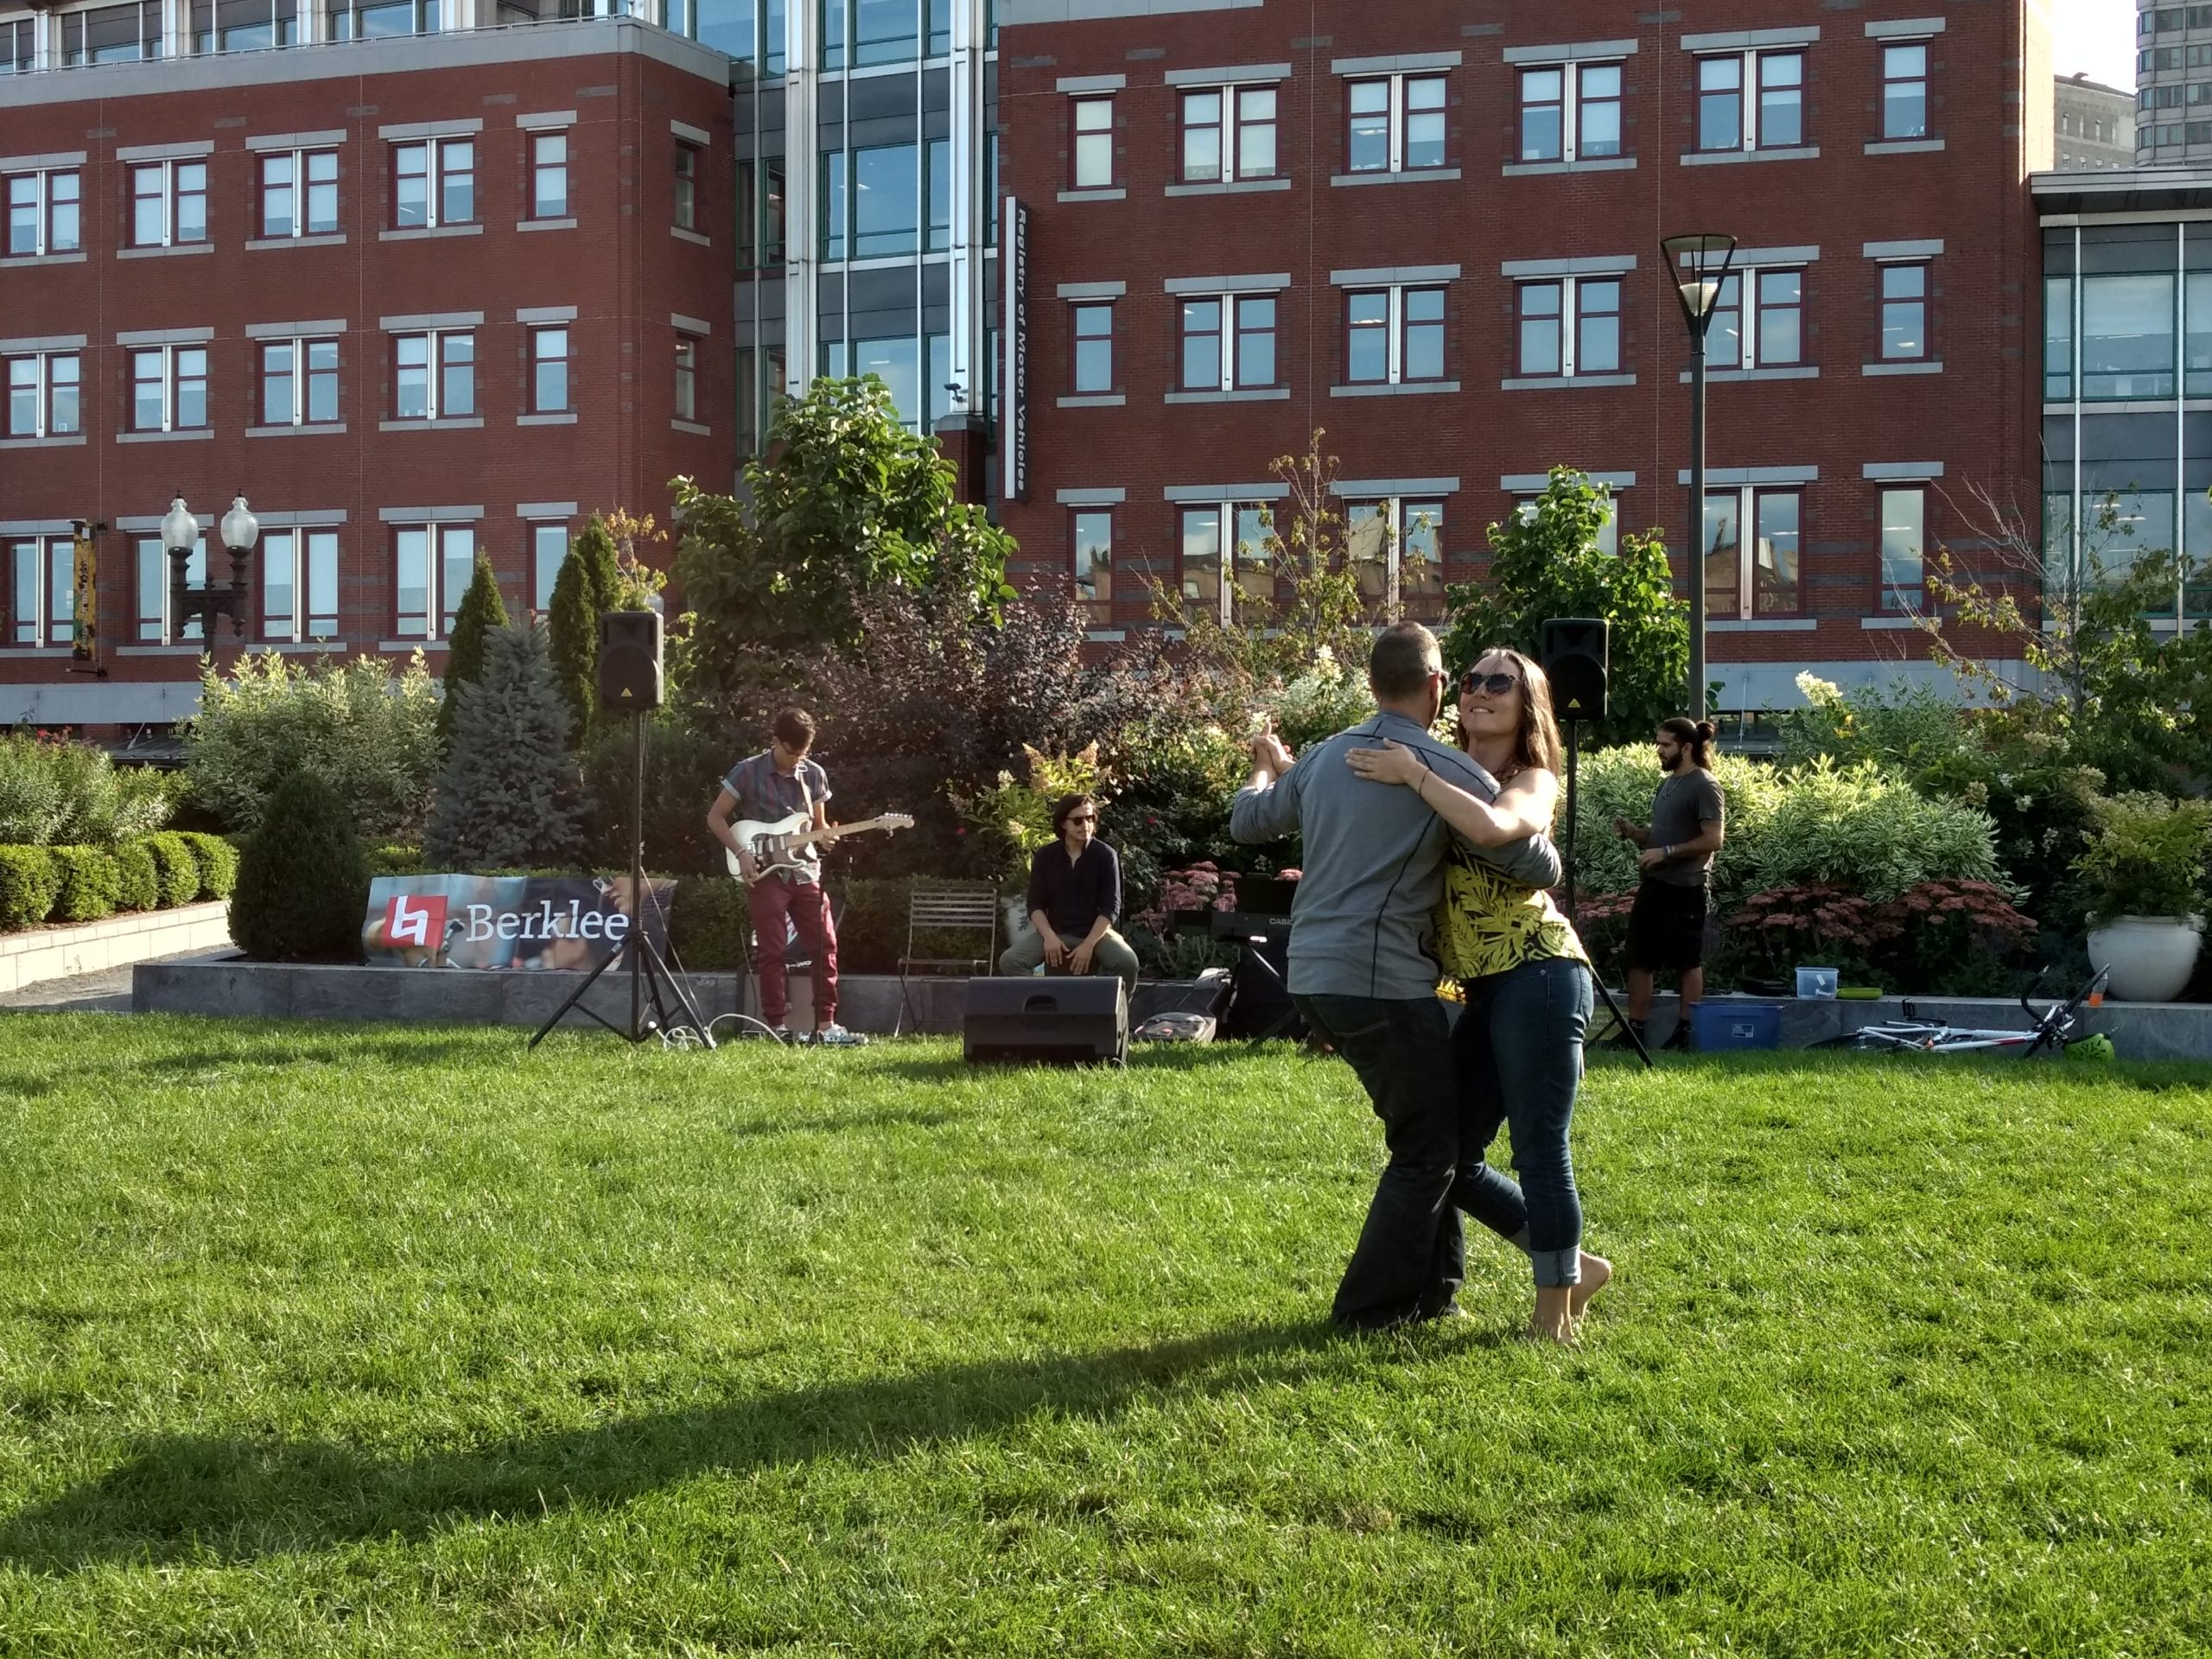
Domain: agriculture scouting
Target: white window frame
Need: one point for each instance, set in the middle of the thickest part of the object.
(1926, 267)
(1077, 340)
(439, 605)
(299, 376)
(150, 575)
(1232, 124)
(301, 191)
(1747, 499)
(53, 565)
(1749, 138)
(1396, 327)
(1893, 43)
(1746, 280)
(42, 381)
(1570, 72)
(308, 621)
(535, 167)
(42, 241)
(1393, 511)
(1226, 584)
(168, 354)
(567, 360)
(167, 169)
(1078, 133)
(434, 341)
(1232, 377)
(1397, 116)
(1895, 600)
(434, 204)
(1567, 344)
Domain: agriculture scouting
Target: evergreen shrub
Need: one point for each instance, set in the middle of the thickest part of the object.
(510, 794)
(138, 885)
(29, 883)
(176, 869)
(218, 863)
(89, 884)
(303, 881)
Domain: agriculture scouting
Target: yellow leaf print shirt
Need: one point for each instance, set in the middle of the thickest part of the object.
(1487, 923)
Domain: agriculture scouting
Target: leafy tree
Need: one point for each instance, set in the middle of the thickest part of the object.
(846, 503)
(303, 883)
(512, 795)
(1546, 562)
(481, 611)
(590, 581)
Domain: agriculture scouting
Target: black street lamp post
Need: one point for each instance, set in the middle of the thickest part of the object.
(1698, 265)
(239, 531)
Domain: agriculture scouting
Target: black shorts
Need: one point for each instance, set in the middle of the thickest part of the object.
(1665, 928)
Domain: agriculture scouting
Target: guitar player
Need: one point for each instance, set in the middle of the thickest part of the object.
(770, 786)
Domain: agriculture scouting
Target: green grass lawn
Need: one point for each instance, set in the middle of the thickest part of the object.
(346, 1340)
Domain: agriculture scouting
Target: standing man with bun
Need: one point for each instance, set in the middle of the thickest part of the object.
(1665, 929)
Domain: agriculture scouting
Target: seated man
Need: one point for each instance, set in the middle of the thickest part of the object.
(1075, 896)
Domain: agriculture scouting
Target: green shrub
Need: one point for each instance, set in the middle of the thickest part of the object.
(370, 733)
(2148, 857)
(176, 869)
(1620, 782)
(219, 862)
(56, 792)
(29, 883)
(396, 858)
(511, 793)
(684, 768)
(138, 883)
(303, 882)
(708, 923)
(89, 884)
(481, 611)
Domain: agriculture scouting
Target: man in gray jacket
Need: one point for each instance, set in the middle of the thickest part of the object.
(1361, 969)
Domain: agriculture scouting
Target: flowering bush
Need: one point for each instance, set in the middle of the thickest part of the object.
(1205, 886)
(1016, 816)
(1318, 701)
(54, 792)
(1952, 938)
(2148, 857)
(1773, 932)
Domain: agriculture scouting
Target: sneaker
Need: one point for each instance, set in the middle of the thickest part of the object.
(836, 1036)
(1624, 1039)
(781, 1033)
(1680, 1040)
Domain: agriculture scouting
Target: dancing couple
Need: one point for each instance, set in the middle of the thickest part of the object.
(1421, 857)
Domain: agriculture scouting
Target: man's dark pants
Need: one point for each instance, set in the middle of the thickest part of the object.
(1411, 1256)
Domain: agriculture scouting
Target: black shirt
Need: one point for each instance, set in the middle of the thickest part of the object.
(1074, 894)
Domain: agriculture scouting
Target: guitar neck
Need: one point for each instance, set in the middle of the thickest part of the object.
(807, 837)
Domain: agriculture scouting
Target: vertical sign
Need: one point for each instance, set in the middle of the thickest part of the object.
(1013, 346)
(84, 622)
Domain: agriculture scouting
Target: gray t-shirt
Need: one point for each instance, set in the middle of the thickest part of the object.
(1686, 803)
(767, 796)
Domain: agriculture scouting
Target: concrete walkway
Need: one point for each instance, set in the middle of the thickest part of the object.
(106, 992)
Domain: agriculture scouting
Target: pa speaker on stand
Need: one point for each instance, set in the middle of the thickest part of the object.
(629, 661)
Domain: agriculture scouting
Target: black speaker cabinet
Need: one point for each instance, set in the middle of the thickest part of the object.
(1572, 651)
(629, 661)
(1063, 1020)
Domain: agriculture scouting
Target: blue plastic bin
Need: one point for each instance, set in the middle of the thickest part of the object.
(1720, 1026)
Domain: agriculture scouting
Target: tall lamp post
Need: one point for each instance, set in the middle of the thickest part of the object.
(240, 530)
(1698, 265)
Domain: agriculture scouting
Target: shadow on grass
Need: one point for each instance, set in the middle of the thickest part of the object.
(235, 1498)
(766, 1125)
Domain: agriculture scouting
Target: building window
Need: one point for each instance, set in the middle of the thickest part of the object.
(44, 213)
(1570, 112)
(687, 377)
(1229, 133)
(1394, 335)
(687, 187)
(1775, 120)
(1242, 529)
(1608, 537)
(1093, 545)
(45, 395)
(1903, 518)
(549, 546)
(886, 31)
(1904, 311)
(1758, 576)
(244, 25)
(1774, 337)
(124, 34)
(548, 371)
(18, 45)
(432, 567)
(299, 584)
(1094, 348)
(2127, 336)
(936, 161)
(299, 193)
(1396, 123)
(1094, 142)
(169, 388)
(153, 560)
(41, 591)
(1905, 90)
(1215, 358)
(299, 382)
(361, 20)
(548, 175)
(1549, 345)
(169, 204)
(1395, 551)
(434, 376)
(887, 205)
(434, 183)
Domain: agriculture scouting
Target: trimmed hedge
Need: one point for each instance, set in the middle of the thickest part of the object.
(30, 880)
(89, 884)
(176, 868)
(138, 885)
(217, 860)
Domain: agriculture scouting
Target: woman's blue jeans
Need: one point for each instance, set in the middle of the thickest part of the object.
(1517, 1050)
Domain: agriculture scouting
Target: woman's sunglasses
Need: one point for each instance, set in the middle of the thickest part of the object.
(1497, 684)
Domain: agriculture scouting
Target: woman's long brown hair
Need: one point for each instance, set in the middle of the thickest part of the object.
(1535, 744)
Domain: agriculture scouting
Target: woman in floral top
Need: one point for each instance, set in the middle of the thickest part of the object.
(1525, 980)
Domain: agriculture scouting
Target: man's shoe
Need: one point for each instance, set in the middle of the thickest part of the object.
(1630, 1035)
(1680, 1040)
(781, 1033)
(833, 1035)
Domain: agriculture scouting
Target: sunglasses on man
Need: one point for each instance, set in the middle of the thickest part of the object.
(1497, 684)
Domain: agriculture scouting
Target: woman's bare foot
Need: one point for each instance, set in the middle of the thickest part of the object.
(1596, 1272)
(1554, 1318)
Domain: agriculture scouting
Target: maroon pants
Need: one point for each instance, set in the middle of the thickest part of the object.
(772, 899)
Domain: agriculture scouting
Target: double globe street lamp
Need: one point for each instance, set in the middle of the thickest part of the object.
(1699, 266)
(239, 531)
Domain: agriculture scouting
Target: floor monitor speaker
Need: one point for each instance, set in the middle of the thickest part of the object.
(1061, 1019)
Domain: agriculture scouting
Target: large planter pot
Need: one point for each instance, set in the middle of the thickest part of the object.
(2150, 957)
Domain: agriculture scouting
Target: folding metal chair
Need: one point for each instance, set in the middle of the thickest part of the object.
(942, 906)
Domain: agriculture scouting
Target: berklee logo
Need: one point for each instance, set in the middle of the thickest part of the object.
(417, 921)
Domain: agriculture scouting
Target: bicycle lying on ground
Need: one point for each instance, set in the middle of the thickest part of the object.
(2052, 1029)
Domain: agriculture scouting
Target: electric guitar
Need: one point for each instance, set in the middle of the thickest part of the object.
(776, 846)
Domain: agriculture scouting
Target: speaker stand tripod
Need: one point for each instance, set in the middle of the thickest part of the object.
(1574, 767)
(648, 971)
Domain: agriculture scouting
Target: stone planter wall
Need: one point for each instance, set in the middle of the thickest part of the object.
(37, 954)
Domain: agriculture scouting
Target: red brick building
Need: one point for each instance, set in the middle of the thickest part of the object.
(415, 297)
(1433, 232)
